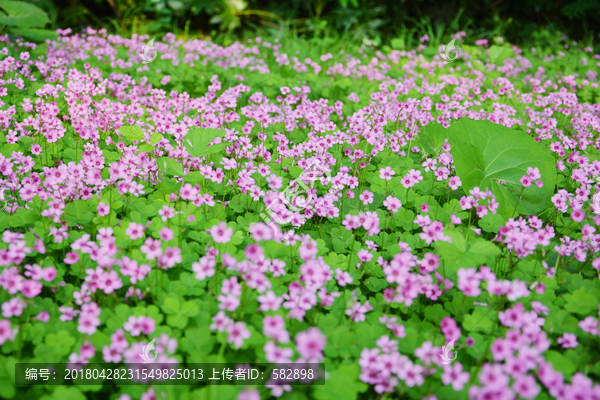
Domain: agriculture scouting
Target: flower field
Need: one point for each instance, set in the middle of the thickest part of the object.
(426, 229)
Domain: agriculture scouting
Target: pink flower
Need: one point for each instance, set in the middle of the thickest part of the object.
(364, 255)
(48, 274)
(386, 173)
(109, 282)
(31, 288)
(228, 302)
(6, 333)
(111, 354)
(526, 387)
(71, 258)
(87, 350)
(454, 375)
(135, 231)
(454, 182)
(366, 197)
(534, 173)
(237, 333)
(68, 313)
(13, 308)
(88, 323)
(392, 204)
(249, 394)
(568, 340)
(221, 233)
(220, 322)
(151, 248)
(578, 215)
(274, 327)
(103, 209)
(171, 257)
(526, 180)
(205, 268)
(166, 212)
(269, 301)
(429, 263)
(44, 316)
(310, 344)
(343, 277)
(165, 234)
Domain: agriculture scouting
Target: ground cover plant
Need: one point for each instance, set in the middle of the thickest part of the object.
(426, 203)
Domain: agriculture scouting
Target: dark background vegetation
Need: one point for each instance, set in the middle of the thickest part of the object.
(522, 22)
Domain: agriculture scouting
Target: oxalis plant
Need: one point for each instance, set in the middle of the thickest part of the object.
(444, 248)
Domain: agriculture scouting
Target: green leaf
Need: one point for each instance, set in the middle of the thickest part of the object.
(560, 321)
(155, 138)
(499, 54)
(335, 261)
(483, 250)
(491, 222)
(189, 309)
(65, 393)
(432, 137)
(472, 50)
(22, 14)
(7, 378)
(376, 284)
(196, 176)
(132, 132)
(341, 239)
(435, 313)
(169, 166)
(343, 340)
(397, 44)
(404, 218)
(196, 142)
(485, 153)
(7, 149)
(342, 384)
(61, 342)
(35, 35)
(23, 217)
(213, 149)
(456, 255)
(171, 306)
(477, 322)
(560, 362)
(146, 148)
(581, 303)
(76, 213)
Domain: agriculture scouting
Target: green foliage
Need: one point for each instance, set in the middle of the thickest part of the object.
(197, 142)
(492, 156)
(458, 254)
(132, 132)
(24, 19)
(21, 14)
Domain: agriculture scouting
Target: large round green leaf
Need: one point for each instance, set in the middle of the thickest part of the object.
(22, 14)
(493, 156)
